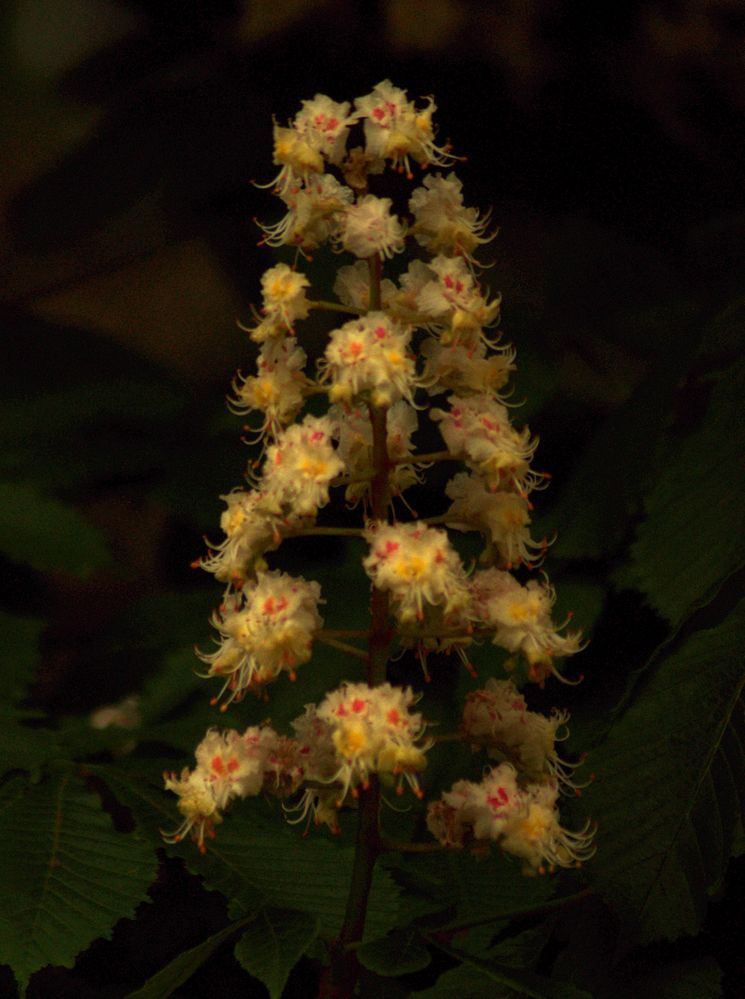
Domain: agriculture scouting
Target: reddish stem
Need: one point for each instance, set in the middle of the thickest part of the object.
(344, 969)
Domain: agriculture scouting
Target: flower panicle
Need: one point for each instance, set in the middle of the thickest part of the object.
(339, 414)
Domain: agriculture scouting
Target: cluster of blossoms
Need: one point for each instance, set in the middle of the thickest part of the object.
(515, 804)
(521, 817)
(419, 567)
(265, 628)
(497, 718)
(355, 732)
(229, 765)
(424, 341)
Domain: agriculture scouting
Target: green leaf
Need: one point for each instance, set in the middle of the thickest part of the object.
(738, 840)
(697, 978)
(172, 685)
(176, 972)
(582, 599)
(607, 484)
(586, 938)
(257, 858)
(693, 536)
(46, 533)
(491, 888)
(463, 982)
(273, 944)
(256, 855)
(670, 787)
(522, 950)
(397, 954)
(66, 876)
(23, 747)
(524, 983)
(19, 655)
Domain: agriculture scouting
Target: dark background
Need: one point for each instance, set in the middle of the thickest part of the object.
(608, 141)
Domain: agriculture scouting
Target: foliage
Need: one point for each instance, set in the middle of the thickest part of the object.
(66, 875)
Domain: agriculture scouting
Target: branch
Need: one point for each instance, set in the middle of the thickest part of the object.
(323, 306)
(334, 643)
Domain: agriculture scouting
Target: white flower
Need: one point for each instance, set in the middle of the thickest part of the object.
(229, 765)
(418, 566)
(369, 228)
(404, 304)
(475, 811)
(301, 465)
(495, 801)
(373, 730)
(253, 524)
(284, 301)
(313, 212)
(441, 222)
(125, 714)
(324, 124)
(355, 732)
(283, 294)
(465, 367)
(477, 429)
(317, 134)
(316, 749)
(370, 357)
(523, 821)
(396, 130)
(296, 156)
(283, 767)
(536, 836)
(503, 517)
(453, 299)
(521, 617)
(497, 718)
(278, 389)
(234, 763)
(197, 804)
(264, 630)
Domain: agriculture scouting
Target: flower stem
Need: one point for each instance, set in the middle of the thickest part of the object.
(398, 846)
(335, 307)
(346, 632)
(381, 633)
(334, 643)
(338, 532)
(344, 970)
(452, 737)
